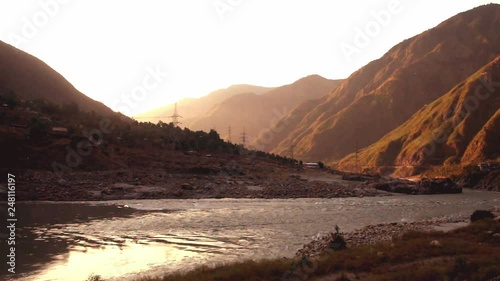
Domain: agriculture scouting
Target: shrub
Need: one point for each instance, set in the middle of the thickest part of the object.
(338, 241)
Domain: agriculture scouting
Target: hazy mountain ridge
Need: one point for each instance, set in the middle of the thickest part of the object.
(257, 113)
(192, 108)
(385, 93)
(30, 78)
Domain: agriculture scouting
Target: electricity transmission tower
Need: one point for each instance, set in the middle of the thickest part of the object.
(244, 137)
(175, 117)
(229, 134)
(292, 147)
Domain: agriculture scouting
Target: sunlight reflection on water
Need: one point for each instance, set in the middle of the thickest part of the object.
(157, 236)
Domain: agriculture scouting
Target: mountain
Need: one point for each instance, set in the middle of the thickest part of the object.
(190, 108)
(385, 93)
(461, 127)
(30, 78)
(257, 113)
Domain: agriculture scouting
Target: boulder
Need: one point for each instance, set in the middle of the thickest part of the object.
(481, 215)
(187, 186)
(435, 243)
(439, 186)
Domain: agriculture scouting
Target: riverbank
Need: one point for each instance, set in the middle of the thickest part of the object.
(374, 234)
(200, 183)
(157, 184)
(468, 253)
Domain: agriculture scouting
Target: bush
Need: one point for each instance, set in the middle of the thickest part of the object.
(38, 130)
(338, 241)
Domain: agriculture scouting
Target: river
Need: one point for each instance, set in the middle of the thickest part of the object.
(124, 240)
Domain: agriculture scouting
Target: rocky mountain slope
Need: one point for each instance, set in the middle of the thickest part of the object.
(387, 92)
(461, 127)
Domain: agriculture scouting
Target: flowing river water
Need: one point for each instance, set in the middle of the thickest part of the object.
(125, 240)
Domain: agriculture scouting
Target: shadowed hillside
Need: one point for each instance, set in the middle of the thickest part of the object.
(385, 93)
(30, 78)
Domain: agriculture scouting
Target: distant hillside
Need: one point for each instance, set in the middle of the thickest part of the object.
(191, 108)
(385, 93)
(461, 127)
(30, 78)
(257, 113)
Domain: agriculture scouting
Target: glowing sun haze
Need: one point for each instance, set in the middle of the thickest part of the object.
(166, 50)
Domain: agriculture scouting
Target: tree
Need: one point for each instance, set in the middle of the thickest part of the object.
(38, 130)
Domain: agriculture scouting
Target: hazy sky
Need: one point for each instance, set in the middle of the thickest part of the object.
(153, 52)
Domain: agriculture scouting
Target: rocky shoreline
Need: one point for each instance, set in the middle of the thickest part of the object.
(373, 234)
(115, 185)
(422, 187)
(201, 183)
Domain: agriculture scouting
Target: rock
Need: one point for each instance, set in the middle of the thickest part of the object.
(435, 243)
(439, 186)
(187, 186)
(481, 215)
(353, 178)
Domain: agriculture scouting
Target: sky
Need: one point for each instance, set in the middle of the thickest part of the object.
(138, 55)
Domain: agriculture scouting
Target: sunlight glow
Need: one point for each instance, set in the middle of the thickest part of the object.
(105, 47)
